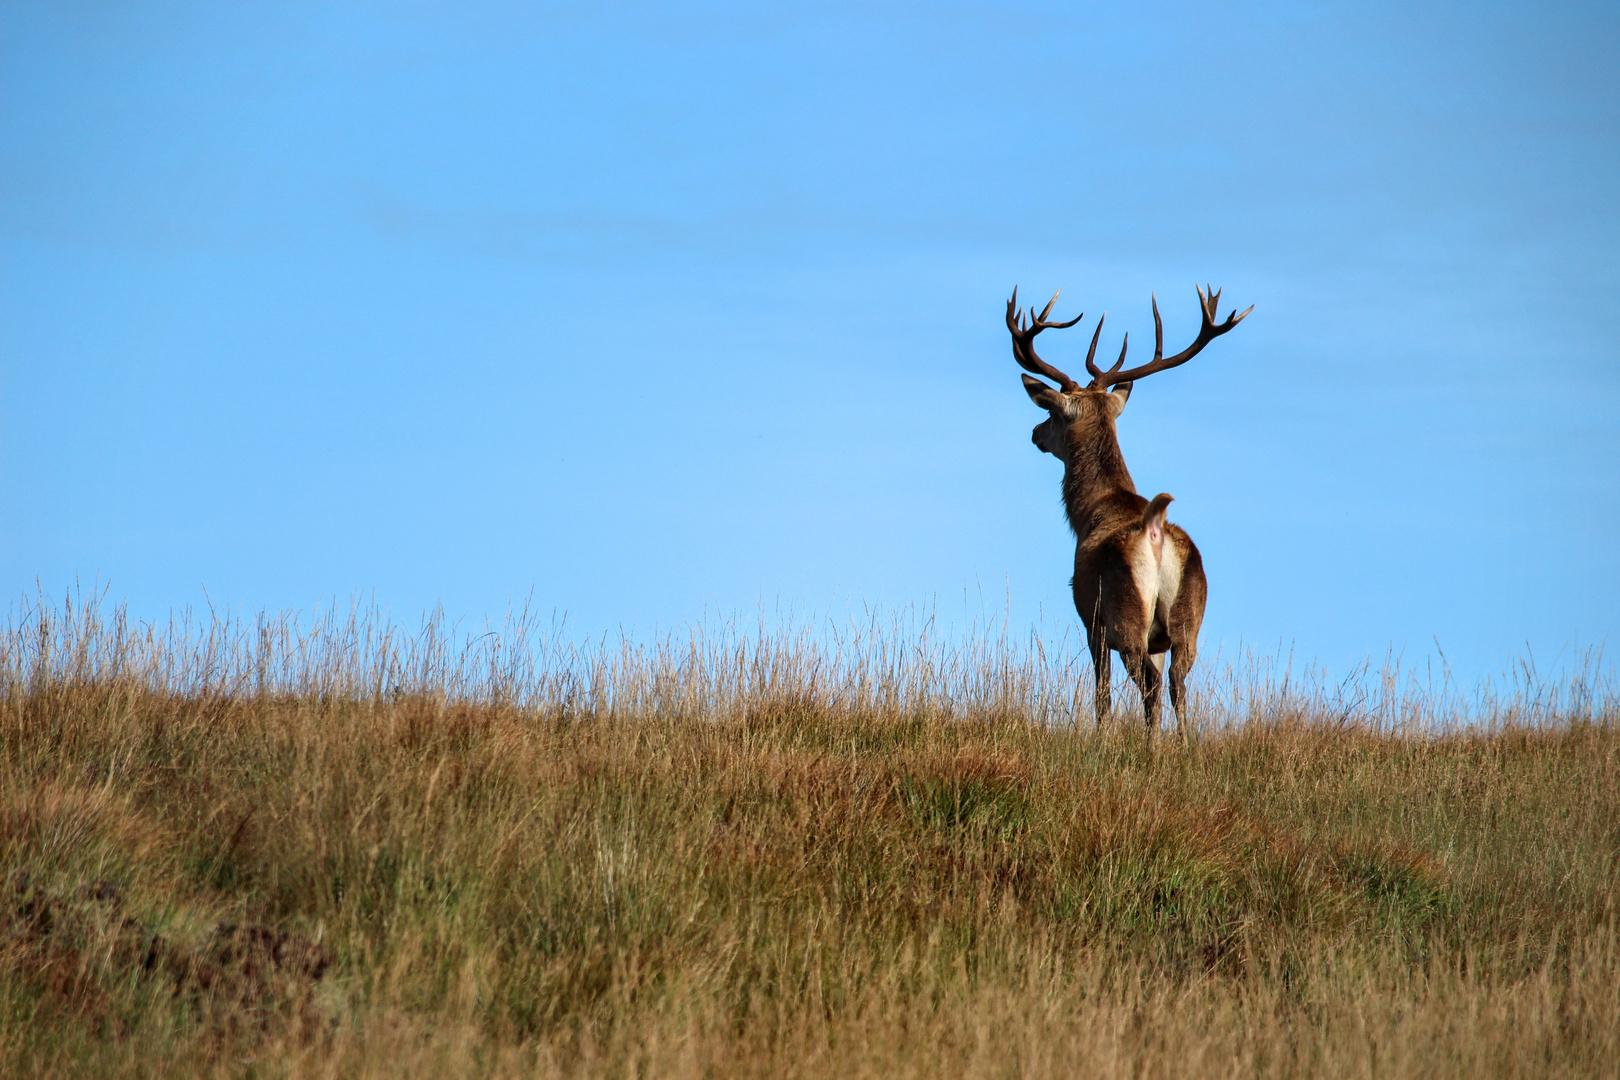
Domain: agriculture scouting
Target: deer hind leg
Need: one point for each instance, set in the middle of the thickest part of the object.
(1147, 671)
(1102, 666)
(1181, 662)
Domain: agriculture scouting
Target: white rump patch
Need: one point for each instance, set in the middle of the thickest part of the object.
(1171, 563)
(1158, 580)
(1146, 571)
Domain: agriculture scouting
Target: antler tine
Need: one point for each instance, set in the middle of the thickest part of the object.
(1158, 330)
(1023, 335)
(1040, 320)
(1207, 332)
(1212, 311)
(1123, 345)
(1091, 353)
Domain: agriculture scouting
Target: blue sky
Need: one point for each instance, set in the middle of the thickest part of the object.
(656, 313)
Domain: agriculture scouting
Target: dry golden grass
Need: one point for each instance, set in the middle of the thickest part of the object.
(330, 850)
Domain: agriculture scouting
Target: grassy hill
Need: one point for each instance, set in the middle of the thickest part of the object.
(286, 850)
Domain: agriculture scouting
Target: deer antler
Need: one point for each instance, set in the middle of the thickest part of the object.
(1091, 353)
(1024, 339)
(1208, 332)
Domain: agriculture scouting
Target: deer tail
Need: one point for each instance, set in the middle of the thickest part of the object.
(1153, 522)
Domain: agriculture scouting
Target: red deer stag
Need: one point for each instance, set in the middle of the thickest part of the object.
(1138, 580)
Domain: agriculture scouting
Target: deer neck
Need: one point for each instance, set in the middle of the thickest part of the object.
(1094, 475)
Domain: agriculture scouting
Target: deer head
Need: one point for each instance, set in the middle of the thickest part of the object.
(1075, 410)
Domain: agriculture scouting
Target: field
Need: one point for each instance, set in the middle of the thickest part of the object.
(326, 848)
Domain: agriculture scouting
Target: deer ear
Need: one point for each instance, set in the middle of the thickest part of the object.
(1044, 396)
(1117, 397)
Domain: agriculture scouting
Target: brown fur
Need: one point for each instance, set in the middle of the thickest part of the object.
(1138, 580)
(1110, 522)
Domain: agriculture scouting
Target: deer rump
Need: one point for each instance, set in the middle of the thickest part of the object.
(1139, 580)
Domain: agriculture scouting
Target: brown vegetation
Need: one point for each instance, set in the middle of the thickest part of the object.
(300, 854)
